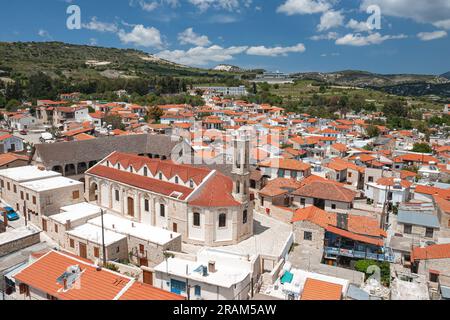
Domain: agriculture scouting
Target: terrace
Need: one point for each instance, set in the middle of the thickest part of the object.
(337, 246)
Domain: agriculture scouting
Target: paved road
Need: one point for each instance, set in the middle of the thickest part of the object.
(30, 137)
(14, 224)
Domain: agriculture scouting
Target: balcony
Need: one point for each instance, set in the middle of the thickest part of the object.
(332, 252)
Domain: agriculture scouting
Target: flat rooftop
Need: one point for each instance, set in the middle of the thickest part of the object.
(77, 212)
(270, 237)
(225, 276)
(50, 184)
(139, 230)
(28, 173)
(93, 234)
(16, 234)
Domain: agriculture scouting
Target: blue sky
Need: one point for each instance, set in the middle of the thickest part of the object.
(284, 35)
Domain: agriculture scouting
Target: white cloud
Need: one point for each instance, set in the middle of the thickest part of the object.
(291, 7)
(229, 5)
(444, 24)
(44, 34)
(432, 11)
(428, 36)
(359, 40)
(358, 26)
(150, 6)
(142, 36)
(200, 56)
(330, 19)
(96, 25)
(188, 36)
(328, 36)
(275, 51)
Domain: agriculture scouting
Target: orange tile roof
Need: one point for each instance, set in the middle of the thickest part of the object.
(141, 291)
(76, 132)
(390, 182)
(287, 164)
(327, 191)
(95, 285)
(443, 204)
(131, 179)
(6, 136)
(217, 192)
(410, 157)
(433, 191)
(321, 290)
(407, 174)
(83, 137)
(437, 251)
(279, 186)
(339, 147)
(6, 158)
(168, 168)
(357, 225)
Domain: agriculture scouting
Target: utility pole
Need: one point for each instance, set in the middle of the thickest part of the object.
(25, 213)
(103, 238)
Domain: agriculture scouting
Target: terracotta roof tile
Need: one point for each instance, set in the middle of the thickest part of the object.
(438, 251)
(327, 191)
(321, 290)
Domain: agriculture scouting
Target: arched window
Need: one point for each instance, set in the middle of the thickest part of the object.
(238, 187)
(177, 180)
(131, 169)
(222, 220)
(160, 176)
(196, 219)
(118, 166)
(145, 171)
(162, 210)
(191, 184)
(245, 217)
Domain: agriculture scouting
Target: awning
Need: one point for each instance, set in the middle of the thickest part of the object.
(354, 236)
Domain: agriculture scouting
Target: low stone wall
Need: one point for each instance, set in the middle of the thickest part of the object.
(19, 243)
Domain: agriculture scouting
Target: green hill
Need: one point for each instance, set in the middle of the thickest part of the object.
(81, 62)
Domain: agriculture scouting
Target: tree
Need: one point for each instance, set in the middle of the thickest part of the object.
(385, 273)
(395, 108)
(12, 105)
(422, 148)
(115, 121)
(155, 113)
(373, 131)
(41, 86)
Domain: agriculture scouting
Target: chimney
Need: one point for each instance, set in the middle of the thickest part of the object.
(5, 218)
(342, 221)
(65, 284)
(68, 225)
(212, 267)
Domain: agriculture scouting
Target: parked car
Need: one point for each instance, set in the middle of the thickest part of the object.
(23, 132)
(11, 214)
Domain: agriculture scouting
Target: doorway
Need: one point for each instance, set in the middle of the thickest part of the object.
(130, 207)
(319, 203)
(83, 250)
(148, 277)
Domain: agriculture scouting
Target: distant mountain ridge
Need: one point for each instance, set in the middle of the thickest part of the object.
(83, 62)
(358, 78)
(92, 62)
(446, 75)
